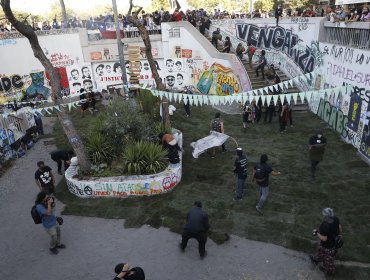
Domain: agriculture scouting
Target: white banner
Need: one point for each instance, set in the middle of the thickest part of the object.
(213, 140)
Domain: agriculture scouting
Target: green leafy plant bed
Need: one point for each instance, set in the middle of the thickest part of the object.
(294, 205)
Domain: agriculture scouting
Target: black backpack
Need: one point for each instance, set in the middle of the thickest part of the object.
(35, 215)
(260, 172)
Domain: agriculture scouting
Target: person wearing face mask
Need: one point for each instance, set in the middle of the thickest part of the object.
(355, 16)
(317, 145)
(365, 14)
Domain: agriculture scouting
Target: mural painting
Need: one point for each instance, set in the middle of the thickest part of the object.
(347, 66)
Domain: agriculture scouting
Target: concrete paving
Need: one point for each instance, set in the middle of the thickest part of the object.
(95, 245)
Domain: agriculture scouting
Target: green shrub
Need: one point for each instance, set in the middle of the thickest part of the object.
(144, 158)
(99, 148)
(149, 103)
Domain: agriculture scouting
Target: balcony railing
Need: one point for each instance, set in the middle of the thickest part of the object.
(352, 34)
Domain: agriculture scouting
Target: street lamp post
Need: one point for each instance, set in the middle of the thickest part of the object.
(119, 45)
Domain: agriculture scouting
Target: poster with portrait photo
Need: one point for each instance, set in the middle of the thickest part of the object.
(106, 74)
(177, 74)
(80, 76)
(146, 76)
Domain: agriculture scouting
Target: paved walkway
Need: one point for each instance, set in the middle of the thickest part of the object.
(95, 246)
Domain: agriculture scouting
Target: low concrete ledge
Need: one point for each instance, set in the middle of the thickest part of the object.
(125, 186)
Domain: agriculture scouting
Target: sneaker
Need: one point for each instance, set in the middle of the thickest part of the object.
(54, 251)
(182, 249)
(61, 246)
(203, 255)
(259, 210)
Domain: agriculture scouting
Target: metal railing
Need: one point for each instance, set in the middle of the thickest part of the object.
(352, 34)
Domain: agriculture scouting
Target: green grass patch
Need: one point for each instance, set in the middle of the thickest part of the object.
(294, 206)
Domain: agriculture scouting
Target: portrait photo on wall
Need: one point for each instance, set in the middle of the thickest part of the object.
(80, 76)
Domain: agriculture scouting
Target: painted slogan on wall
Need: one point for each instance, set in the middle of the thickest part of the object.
(343, 65)
(279, 39)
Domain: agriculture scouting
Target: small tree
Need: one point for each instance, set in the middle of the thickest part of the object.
(132, 17)
(68, 127)
(264, 5)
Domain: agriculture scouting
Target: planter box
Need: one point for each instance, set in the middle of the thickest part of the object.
(125, 186)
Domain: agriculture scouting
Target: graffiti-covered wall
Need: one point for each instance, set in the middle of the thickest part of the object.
(347, 112)
(22, 75)
(292, 46)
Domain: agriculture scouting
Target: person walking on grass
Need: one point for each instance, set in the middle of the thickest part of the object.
(316, 149)
(218, 125)
(241, 173)
(45, 206)
(197, 225)
(328, 233)
(261, 173)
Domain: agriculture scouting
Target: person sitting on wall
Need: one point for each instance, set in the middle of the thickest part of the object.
(170, 144)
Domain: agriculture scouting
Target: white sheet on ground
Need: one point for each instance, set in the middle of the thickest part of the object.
(213, 140)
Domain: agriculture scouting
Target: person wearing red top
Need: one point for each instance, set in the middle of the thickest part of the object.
(177, 15)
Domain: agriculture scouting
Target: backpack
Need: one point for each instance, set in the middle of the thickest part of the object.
(216, 125)
(35, 215)
(260, 173)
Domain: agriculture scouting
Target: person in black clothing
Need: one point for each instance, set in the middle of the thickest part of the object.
(261, 173)
(278, 14)
(196, 227)
(329, 229)
(261, 64)
(240, 172)
(62, 156)
(258, 109)
(44, 178)
(216, 35)
(124, 271)
(227, 45)
(270, 109)
(317, 145)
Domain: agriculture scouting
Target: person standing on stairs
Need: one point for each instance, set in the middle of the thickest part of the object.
(250, 51)
(216, 35)
(227, 45)
(261, 65)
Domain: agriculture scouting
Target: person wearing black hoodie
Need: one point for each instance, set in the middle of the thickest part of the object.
(197, 225)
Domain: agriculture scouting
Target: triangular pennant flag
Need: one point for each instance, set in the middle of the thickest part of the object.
(160, 94)
(175, 97)
(265, 90)
(211, 100)
(205, 100)
(200, 100)
(288, 97)
(295, 96)
(275, 98)
(291, 82)
(286, 84)
(195, 98)
(268, 99)
(191, 100)
(170, 96)
(69, 106)
(258, 98)
(263, 98)
(180, 96)
(302, 96)
(276, 87)
(296, 79)
(47, 109)
(56, 107)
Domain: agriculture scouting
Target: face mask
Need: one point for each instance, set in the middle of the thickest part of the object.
(319, 135)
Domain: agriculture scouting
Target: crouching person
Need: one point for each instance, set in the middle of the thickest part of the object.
(124, 271)
(45, 206)
(170, 144)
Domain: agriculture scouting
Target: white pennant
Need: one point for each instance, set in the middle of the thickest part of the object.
(275, 97)
(175, 97)
(276, 87)
(295, 96)
(170, 96)
(195, 98)
(181, 96)
(286, 84)
(200, 100)
(302, 96)
(268, 99)
(56, 107)
(291, 82)
(205, 100)
(160, 95)
(263, 98)
(288, 97)
(191, 100)
(47, 109)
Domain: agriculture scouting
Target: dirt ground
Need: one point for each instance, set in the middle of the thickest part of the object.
(95, 246)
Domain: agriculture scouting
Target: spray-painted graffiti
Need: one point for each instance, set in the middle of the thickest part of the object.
(335, 118)
(346, 74)
(280, 39)
(129, 187)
